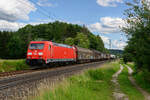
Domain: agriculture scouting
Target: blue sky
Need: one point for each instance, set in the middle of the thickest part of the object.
(102, 17)
(86, 11)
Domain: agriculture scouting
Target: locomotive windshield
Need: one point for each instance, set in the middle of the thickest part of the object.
(36, 46)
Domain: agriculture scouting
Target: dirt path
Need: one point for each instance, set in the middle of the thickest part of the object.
(146, 95)
(117, 92)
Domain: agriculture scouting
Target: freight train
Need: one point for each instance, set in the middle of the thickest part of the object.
(47, 52)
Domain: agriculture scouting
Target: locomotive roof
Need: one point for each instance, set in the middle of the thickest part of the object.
(56, 44)
(39, 41)
(62, 45)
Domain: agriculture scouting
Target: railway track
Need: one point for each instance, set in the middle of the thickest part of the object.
(12, 73)
(48, 73)
(15, 73)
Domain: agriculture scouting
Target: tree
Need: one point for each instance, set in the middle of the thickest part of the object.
(4, 39)
(69, 41)
(138, 31)
(14, 48)
(82, 40)
(128, 54)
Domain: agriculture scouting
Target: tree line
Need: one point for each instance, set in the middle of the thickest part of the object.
(13, 45)
(138, 33)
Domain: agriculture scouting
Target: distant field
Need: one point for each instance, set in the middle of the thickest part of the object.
(12, 65)
(10, 60)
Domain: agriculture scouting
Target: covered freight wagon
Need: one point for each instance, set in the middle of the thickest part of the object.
(84, 55)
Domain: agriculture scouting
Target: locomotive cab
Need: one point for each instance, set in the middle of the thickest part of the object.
(36, 52)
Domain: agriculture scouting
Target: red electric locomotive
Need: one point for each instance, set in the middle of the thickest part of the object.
(44, 52)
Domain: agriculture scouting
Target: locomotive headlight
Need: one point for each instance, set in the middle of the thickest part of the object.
(29, 53)
(40, 53)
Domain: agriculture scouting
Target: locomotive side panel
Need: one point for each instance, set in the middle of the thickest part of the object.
(62, 53)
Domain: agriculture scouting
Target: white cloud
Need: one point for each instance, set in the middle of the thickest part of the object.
(10, 26)
(105, 40)
(14, 26)
(109, 3)
(45, 3)
(115, 44)
(107, 25)
(13, 10)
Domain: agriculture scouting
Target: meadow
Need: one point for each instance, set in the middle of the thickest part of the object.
(93, 84)
(12, 65)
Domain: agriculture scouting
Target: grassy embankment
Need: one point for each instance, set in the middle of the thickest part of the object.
(142, 78)
(91, 85)
(12, 65)
(127, 87)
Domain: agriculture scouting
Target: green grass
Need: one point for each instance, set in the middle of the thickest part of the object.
(141, 77)
(143, 80)
(12, 65)
(132, 66)
(127, 87)
(91, 85)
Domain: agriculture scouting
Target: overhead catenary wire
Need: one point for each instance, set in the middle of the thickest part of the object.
(41, 10)
(45, 10)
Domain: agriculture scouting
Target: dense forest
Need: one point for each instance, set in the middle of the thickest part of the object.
(14, 44)
(138, 32)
